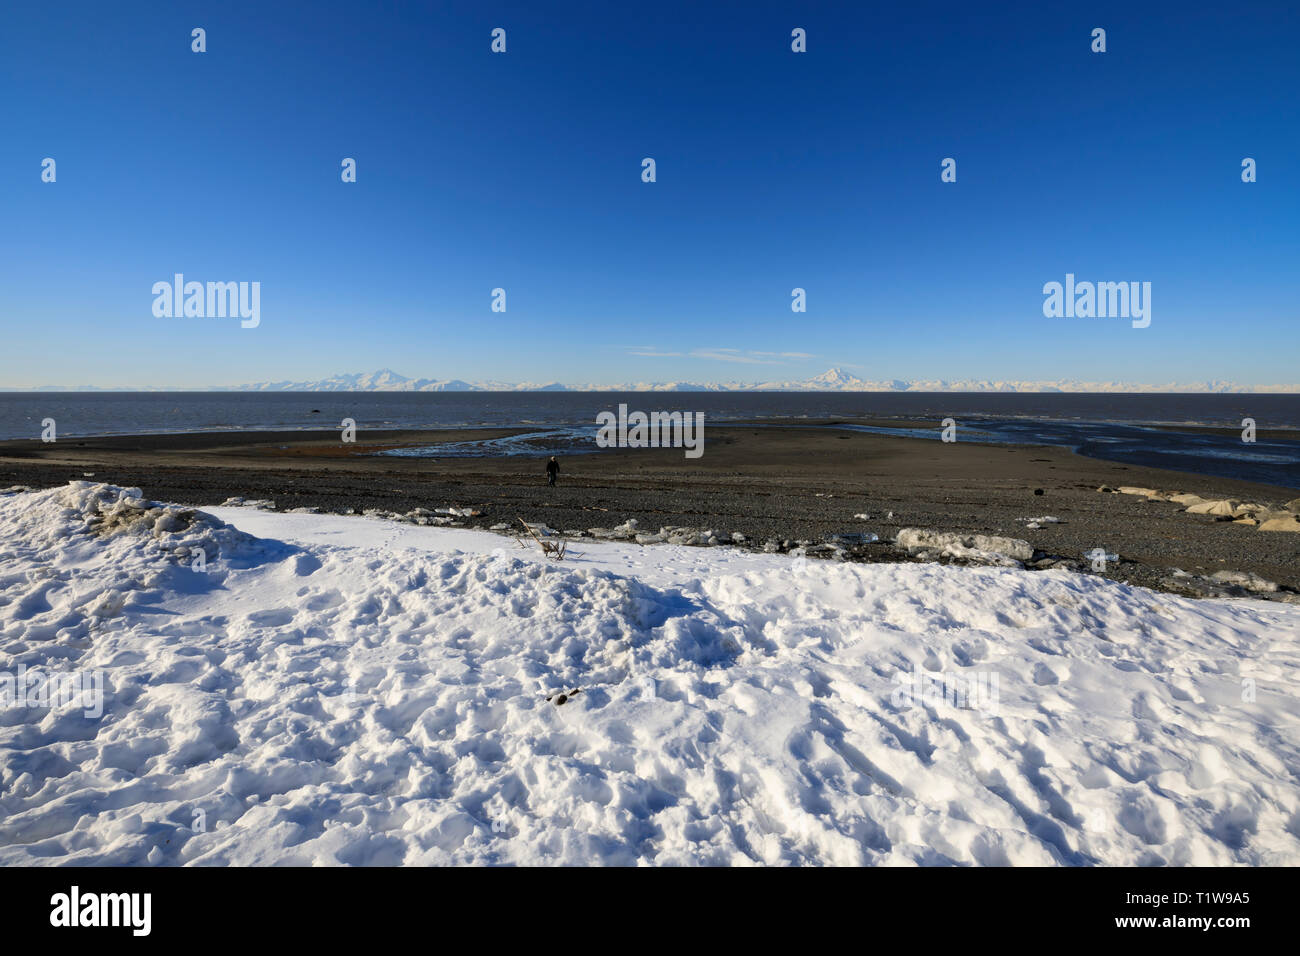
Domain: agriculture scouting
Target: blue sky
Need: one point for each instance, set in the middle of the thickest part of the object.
(522, 170)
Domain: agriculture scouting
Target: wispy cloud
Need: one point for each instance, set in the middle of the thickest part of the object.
(741, 356)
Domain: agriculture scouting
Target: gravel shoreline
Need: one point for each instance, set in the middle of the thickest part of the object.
(795, 487)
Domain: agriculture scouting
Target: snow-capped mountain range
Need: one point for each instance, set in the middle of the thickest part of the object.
(832, 380)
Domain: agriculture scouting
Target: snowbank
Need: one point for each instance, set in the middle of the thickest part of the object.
(335, 690)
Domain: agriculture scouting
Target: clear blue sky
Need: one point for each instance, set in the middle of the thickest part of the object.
(523, 170)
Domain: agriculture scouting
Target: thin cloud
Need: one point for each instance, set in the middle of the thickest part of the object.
(652, 354)
(731, 355)
(743, 357)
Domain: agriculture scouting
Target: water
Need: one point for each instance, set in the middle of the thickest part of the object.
(1226, 456)
(1112, 427)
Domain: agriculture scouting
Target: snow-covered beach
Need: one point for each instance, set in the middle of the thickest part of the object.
(345, 690)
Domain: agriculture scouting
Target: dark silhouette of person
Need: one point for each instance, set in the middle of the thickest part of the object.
(552, 469)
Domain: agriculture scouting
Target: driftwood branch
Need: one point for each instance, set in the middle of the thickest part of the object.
(549, 548)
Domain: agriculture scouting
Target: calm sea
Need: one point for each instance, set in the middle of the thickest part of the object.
(1115, 427)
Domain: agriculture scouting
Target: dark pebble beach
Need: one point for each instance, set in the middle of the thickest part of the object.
(787, 485)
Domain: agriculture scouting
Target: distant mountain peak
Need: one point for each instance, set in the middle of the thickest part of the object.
(834, 377)
(832, 380)
(385, 376)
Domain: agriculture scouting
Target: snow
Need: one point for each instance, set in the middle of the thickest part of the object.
(347, 690)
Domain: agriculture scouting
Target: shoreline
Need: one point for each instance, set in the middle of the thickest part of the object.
(771, 484)
(385, 438)
(1285, 433)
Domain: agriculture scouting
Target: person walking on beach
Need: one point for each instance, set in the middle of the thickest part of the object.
(552, 469)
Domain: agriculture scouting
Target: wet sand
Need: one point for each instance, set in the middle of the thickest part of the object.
(773, 482)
